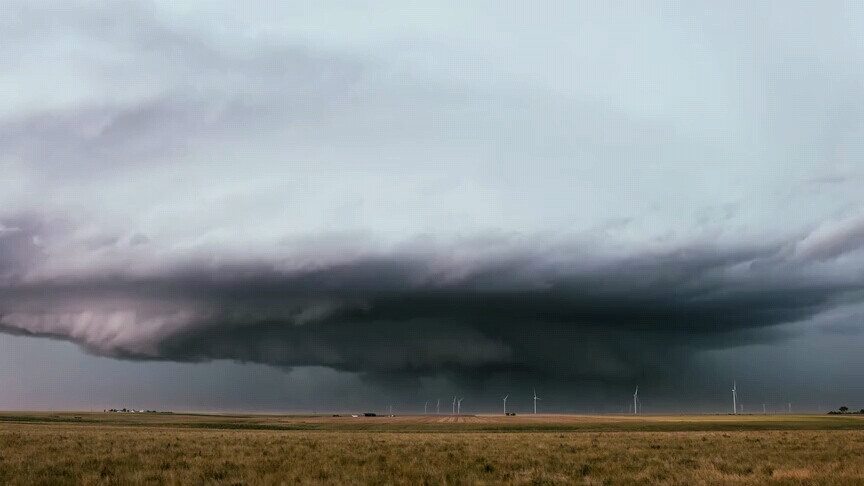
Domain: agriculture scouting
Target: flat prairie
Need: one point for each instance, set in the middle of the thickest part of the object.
(180, 449)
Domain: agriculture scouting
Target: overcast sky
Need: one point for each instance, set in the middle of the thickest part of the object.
(325, 206)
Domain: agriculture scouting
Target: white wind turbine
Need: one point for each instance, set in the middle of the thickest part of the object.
(535, 401)
(459, 406)
(636, 401)
(505, 403)
(424, 407)
(734, 398)
(454, 405)
(438, 407)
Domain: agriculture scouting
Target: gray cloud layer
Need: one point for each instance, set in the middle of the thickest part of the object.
(561, 191)
(552, 311)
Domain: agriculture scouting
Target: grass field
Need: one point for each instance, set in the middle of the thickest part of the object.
(88, 448)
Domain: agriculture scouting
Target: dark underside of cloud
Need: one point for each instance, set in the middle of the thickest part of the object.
(540, 312)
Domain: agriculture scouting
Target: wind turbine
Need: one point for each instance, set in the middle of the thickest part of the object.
(424, 407)
(391, 409)
(635, 401)
(438, 407)
(535, 401)
(505, 403)
(459, 406)
(454, 405)
(734, 398)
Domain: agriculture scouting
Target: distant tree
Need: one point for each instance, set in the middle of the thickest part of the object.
(861, 411)
(844, 409)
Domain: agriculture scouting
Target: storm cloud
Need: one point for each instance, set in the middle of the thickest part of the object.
(506, 305)
(572, 192)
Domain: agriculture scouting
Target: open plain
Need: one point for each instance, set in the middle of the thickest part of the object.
(114, 448)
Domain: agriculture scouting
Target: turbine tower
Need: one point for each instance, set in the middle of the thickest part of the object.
(734, 398)
(535, 401)
(505, 403)
(438, 407)
(459, 406)
(454, 405)
(424, 407)
(635, 401)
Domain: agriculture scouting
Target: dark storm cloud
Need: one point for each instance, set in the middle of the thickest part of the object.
(414, 191)
(541, 309)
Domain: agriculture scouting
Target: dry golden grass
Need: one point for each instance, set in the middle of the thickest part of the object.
(57, 449)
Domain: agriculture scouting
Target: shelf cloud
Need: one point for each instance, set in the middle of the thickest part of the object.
(473, 308)
(566, 192)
